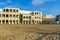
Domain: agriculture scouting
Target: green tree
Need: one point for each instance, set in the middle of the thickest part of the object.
(21, 18)
(57, 18)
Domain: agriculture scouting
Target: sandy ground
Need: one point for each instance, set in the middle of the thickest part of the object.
(22, 32)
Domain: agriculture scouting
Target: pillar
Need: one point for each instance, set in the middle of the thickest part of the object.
(12, 22)
(5, 21)
(18, 21)
(15, 22)
(1, 22)
(9, 21)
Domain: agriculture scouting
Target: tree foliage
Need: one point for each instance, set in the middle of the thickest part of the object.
(57, 18)
(21, 19)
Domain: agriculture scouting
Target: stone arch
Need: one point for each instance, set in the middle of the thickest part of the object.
(7, 21)
(14, 21)
(3, 21)
(10, 21)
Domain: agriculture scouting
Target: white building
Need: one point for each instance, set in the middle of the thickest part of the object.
(9, 16)
(12, 16)
(34, 17)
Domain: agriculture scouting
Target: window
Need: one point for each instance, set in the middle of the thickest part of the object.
(3, 15)
(13, 20)
(16, 20)
(16, 10)
(6, 15)
(7, 10)
(10, 10)
(24, 16)
(13, 15)
(16, 15)
(29, 16)
(3, 20)
(10, 20)
(6, 20)
(3, 10)
(10, 15)
(24, 21)
(13, 10)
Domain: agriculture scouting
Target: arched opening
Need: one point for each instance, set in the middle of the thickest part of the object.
(7, 21)
(14, 21)
(10, 10)
(14, 15)
(3, 21)
(10, 21)
(7, 10)
(33, 21)
(6, 15)
(13, 10)
(3, 10)
(10, 15)
(16, 10)
(26, 22)
(3, 15)
(26, 16)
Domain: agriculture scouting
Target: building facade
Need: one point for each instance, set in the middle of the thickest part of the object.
(9, 16)
(47, 19)
(32, 18)
(12, 16)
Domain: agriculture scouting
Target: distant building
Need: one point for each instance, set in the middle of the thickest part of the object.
(47, 19)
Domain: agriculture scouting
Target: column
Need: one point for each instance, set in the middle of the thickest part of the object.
(25, 22)
(12, 21)
(18, 21)
(5, 21)
(9, 21)
(15, 22)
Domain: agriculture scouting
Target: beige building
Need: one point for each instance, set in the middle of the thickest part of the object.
(9, 16)
(12, 16)
(34, 17)
(47, 18)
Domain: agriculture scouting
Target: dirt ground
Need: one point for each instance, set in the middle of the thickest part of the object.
(14, 32)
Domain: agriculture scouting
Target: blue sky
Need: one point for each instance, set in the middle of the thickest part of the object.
(46, 6)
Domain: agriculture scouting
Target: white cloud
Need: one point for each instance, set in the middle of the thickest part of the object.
(38, 2)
